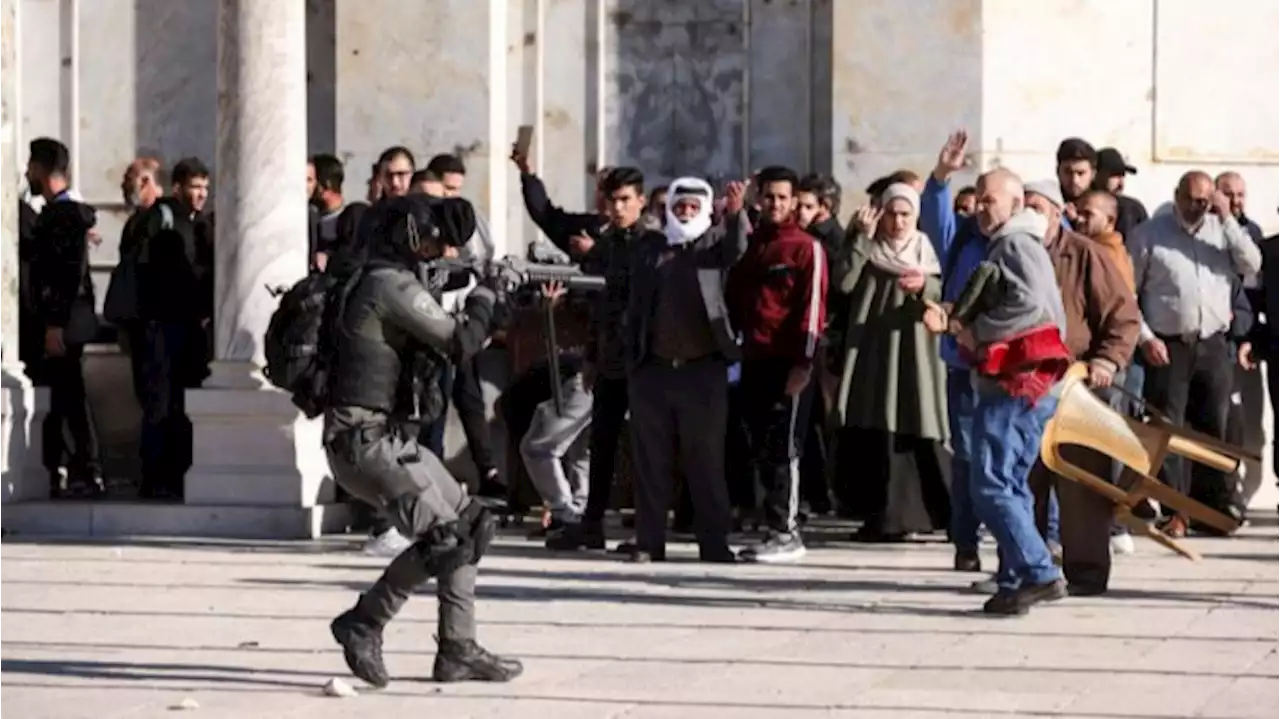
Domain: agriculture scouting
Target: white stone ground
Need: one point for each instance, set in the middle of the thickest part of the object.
(131, 629)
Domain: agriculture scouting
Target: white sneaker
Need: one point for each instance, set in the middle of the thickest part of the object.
(388, 544)
(1122, 544)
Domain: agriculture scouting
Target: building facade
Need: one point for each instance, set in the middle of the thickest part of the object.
(857, 88)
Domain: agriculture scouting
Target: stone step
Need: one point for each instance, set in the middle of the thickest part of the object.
(122, 519)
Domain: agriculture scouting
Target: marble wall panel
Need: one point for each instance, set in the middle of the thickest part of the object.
(900, 81)
(780, 98)
(675, 82)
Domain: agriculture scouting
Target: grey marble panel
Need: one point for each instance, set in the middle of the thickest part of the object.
(175, 92)
(105, 63)
(674, 86)
(781, 105)
(322, 74)
(820, 80)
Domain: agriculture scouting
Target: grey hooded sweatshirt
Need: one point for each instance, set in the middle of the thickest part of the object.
(1029, 294)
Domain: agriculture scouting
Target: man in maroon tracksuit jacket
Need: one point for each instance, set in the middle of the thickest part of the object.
(777, 293)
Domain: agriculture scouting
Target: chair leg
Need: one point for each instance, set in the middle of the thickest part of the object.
(1186, 506)
(1139, 527)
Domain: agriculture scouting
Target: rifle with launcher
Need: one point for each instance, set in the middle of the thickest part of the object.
(518, 282)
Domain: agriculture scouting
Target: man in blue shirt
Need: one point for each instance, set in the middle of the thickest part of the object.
(961, 246)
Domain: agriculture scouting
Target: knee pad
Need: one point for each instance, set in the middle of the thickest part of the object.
(444, 549)
(481, 527)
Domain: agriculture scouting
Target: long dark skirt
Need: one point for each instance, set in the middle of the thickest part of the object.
(893, 482)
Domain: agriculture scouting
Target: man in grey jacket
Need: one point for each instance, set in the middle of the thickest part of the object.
(1021, 309)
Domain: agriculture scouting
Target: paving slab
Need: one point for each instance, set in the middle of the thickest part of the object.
(107, 630)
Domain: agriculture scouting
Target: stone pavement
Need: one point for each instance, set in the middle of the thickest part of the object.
(131, 629)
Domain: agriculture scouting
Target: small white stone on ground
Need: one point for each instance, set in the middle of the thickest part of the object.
(337, 688)
(186, 704)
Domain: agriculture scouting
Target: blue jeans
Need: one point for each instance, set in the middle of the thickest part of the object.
(964, 523)
(1052, 531)
(1005, 445)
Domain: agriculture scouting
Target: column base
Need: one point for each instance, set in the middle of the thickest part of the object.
(22, 410)
(253, 448)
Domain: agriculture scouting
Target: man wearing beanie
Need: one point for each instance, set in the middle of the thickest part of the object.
(1102, 329)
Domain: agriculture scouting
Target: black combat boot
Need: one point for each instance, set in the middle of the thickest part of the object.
(463, 660)
(361, 641)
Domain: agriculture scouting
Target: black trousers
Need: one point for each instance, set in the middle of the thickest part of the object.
(468, 398)
(776, 424)
(678, 420)
(1195, 389)
(70, 436)
(813, 461)
(173, 355)
(608, 413)
(737, 450)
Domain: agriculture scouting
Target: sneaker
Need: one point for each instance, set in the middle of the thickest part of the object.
(58, 483)
(388, 544)
(361, 648)
(777, 548)
(465, 660)
(1122, 544)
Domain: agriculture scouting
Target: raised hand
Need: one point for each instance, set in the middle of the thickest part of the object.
(867, 219)
(735, 195)
(951, 158)
(520, 159)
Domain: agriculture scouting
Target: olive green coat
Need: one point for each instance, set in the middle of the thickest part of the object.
(891, 373)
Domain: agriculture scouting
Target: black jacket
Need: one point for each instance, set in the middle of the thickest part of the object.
(609, 257)
(838, 249)
(175, 265)
(716, 252)
(58, 257)
(1129, 214)
(1263, 300)
(557, 224)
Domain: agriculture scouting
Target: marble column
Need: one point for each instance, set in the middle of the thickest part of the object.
(17, 403)
(260, 182)
(252, 448)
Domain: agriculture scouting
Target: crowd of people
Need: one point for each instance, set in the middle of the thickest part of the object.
(768, 363)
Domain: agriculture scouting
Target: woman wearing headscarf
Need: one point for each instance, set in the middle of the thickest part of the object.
(891, 417)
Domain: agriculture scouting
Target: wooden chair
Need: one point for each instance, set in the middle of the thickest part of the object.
(1082, 419)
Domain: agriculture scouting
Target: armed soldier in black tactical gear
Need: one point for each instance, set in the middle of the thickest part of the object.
(386, 323)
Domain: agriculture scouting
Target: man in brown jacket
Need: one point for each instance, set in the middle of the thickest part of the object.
(1102, 329)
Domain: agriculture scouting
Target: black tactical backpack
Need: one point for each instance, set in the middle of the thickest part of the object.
(298, 345)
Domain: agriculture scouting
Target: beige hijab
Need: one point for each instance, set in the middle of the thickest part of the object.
(914, 252)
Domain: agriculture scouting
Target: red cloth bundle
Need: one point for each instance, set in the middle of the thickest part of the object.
(1027, 364)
